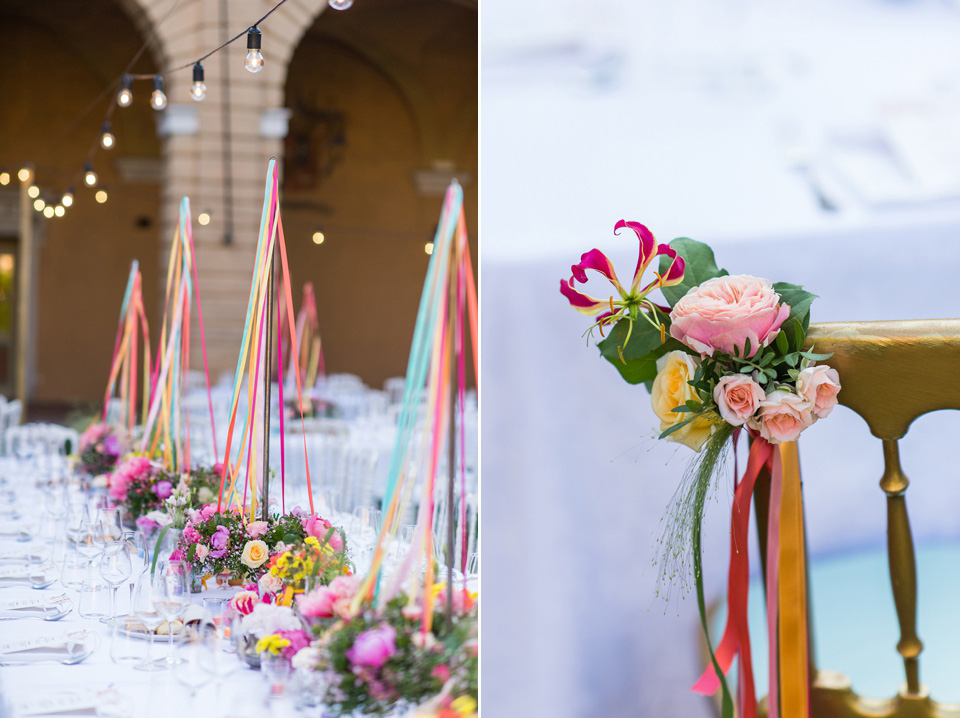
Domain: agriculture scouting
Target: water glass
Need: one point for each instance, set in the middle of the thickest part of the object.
(74, 569)
(115, 568)
(126, 645)
(94, 599)
(145, 596)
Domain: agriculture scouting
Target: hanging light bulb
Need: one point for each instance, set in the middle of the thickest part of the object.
(341, 4)
(254, 61)
(125, 96)
(101, 196)
(67, 199)
(59, 210)
(89, 176)
(199, 90)
(33, 191)
(39, 204)
(48, 211)
(25, 174)
(4, 178)
(107, 140)
(158, 100)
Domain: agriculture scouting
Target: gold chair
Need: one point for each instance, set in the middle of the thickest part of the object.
(870, 357)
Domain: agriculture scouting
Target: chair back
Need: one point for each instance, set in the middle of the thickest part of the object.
(870, 358)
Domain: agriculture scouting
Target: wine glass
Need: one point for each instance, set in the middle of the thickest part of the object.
(365, 525)
(109, 523)
(192, 666)
(136, 544)
(145, 597)
(87, 537)
(115, 568)
(171, 597)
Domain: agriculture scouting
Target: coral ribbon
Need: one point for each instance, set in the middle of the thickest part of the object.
(793, 657)
(736, 635)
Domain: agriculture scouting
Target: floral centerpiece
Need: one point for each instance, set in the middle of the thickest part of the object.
(315, 562)
(373, 660)
(100, 448)
(724, 354)
(217, 542)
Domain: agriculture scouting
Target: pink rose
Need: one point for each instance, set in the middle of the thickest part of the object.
(257, 528)
(783, 415)
(819, 385)
(373, 648)
(191, 534)
(319, 528)
(163, 489)
(202, 551)
(722, 313)
(345, 586)
(343, 608)
(737, 397)
(317, 604)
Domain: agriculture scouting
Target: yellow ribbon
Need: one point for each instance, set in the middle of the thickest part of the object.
(794, 681)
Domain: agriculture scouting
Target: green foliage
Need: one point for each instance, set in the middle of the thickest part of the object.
(639, 355)
(700, 266)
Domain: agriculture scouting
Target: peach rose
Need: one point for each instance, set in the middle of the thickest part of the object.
(819, 385)
(737, 397)
(670, 390)
(202, 551)
(255, 553)
(782, 416)
(722, 313)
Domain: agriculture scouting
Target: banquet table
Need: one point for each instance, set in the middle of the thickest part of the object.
(123, 690)
(632, 113)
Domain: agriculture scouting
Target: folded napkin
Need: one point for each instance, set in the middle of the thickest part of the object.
(55, 647)
(81, 702)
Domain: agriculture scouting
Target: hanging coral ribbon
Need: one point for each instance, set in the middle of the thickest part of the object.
(786, 596)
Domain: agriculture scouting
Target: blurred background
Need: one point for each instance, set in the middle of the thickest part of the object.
(370, 111)
(810, 142)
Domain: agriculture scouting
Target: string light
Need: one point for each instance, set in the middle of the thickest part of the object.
(318, 237)
(4, 178)
(204, 218)
(48, 211)
(39, 204)
(59, 210)
(107, 140)
(89, 176)
(67, 198)
(125, 96)
(254, 59)
(343, 5)
(199, 90)
(428, 248)
(33, 191)
(158, 100)
(25, 174)
(101, 196)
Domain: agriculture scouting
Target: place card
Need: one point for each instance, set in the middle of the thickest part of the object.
(30, 644)
(23, 571)
(32, 602)
(21, 554)
(57, 703)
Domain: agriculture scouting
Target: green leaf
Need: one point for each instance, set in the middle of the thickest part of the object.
(640, 353)
(664, 434)
(798, 299)
(783, 345)
(700, 266)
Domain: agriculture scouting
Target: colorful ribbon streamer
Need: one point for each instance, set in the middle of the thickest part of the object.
(785, 583)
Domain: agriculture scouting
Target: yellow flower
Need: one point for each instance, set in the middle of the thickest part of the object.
(670, 390)
(255, 553)
(312, 541)
(272, 643)
(464, 705)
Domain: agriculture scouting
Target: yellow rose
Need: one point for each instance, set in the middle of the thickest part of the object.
(254, 553)
(670, 390)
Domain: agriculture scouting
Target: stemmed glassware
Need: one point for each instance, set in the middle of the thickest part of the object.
(145, 599)
(171, 597)
(115, 568)
(365, 527)
(136, 545)
(109, 527)
(86, 537)
(192, 666)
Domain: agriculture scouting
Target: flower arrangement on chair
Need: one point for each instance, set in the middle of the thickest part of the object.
(725, 354)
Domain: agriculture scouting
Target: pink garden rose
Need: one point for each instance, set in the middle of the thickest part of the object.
(783, 415)
(722, 313)
(255, 529)
(244, 602)
(737, 397)
(373, 648)
(202, 551)
(319, 528)
(163, 489)
(318, 603)
(819, 385)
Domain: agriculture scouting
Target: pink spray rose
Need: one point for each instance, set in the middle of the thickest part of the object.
(373, 648)
(722, 313)
(783, 415)
(317, 604)
(819, 385)
(737, 397)
(255, 529)
(319, 528)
